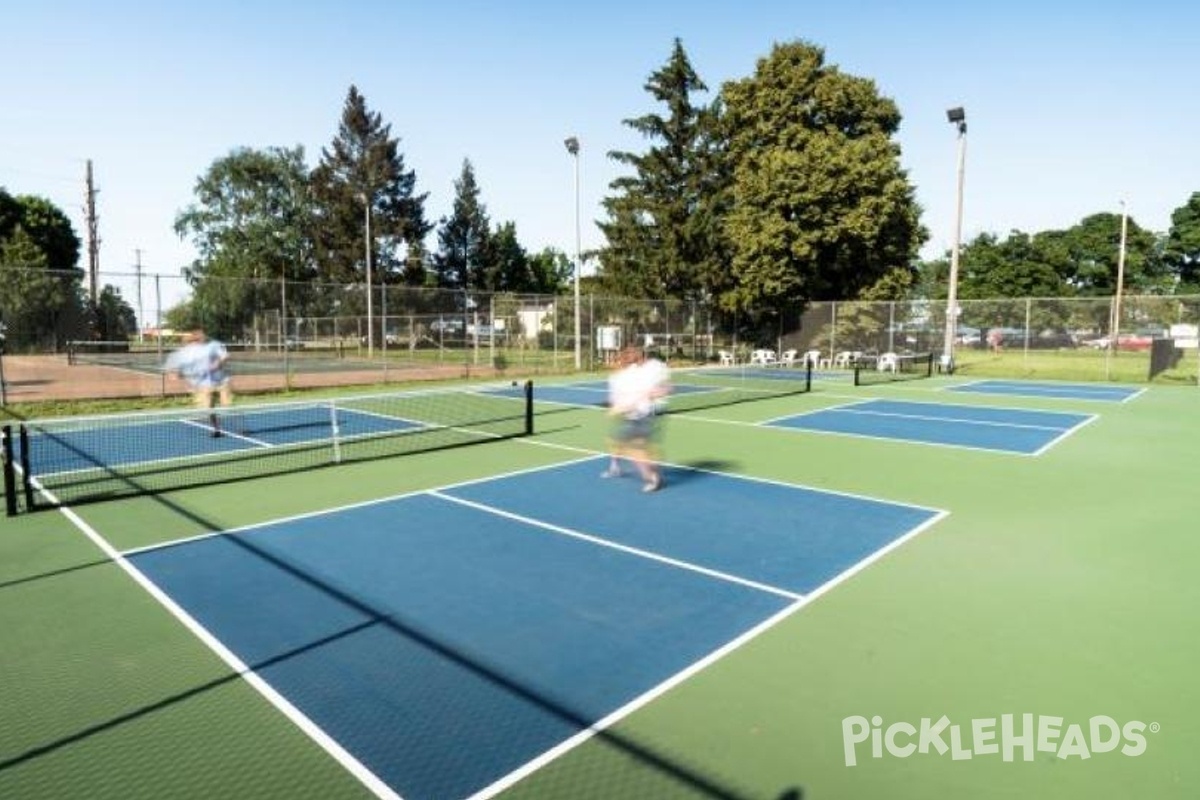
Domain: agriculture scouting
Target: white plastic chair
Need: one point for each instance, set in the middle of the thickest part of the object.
(764, 357)
(888, 362)
(726, 358)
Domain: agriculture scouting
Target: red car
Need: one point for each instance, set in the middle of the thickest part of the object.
(1126, 341)
(1134, 341)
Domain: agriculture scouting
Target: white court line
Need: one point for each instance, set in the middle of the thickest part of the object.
(370, 780)
(1051, 391)
(1068, 432)
(662, 688)
(932, 418)
(737, 475)
(602, 542)
(351, 506)
(207, 426)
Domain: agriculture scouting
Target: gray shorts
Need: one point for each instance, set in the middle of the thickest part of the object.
(636, 428)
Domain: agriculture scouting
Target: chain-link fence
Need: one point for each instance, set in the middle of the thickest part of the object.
(290, 334)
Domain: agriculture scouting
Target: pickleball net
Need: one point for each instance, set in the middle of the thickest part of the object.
(76, 460)
(151, 356)
(892, 367)
(712, 387)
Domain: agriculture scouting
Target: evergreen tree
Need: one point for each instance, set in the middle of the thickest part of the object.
(663, 228)
(363, 168)
(511, 270)
(463, 259)
(115, 319)
(1181, 252)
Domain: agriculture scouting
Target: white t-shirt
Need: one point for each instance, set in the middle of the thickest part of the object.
(200, 363)
(654, 378)
(637, 390)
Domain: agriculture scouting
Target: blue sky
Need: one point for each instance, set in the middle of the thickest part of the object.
(1073, 107)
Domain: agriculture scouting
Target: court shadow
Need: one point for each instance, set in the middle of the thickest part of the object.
(687, 471)
(54, 573)
(651, 763)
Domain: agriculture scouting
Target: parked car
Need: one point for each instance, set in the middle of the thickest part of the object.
(485, 333)
(968, 336)
(446, 325)
(1141, 340)
(1050, 339)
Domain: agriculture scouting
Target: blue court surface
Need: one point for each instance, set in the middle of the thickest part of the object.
(152, 439)
(1007, 430)
(1069, 391)
(447, 641)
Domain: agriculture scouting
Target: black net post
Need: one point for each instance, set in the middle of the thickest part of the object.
(26, 482)
(10, 479)
(528, 408)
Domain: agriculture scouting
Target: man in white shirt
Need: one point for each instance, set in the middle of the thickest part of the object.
(201, 362)
(636, 392)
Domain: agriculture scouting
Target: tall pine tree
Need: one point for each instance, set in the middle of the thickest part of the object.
(663, 226)
(363, 166)
(463, 257)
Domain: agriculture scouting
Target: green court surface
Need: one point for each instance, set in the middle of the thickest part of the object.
(1062, 586)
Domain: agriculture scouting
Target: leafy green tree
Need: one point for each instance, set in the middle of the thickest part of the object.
(115, 318)
(663, 228)
(33, 297)
(362, 168)
(464, 258)
(41, 293)
(45, 224)
(990, 267)
(1181, 253)
(252, 226)
(821, 208)
(182, 317)
(1086, 257)
(551, 271)
(11, 213)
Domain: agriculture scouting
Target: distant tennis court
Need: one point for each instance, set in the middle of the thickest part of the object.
(1007, 430)
(1068, 391)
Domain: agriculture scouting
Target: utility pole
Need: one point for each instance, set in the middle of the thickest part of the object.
(93, 237)
(137, 269)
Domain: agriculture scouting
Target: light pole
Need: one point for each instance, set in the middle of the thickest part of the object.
(573, 148)
(957, 117)
(370, 306)
(1114, 326)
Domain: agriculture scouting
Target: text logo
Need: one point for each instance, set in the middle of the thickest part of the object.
(1010, 736)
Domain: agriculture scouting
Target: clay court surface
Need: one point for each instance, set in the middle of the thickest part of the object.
(49, 377)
